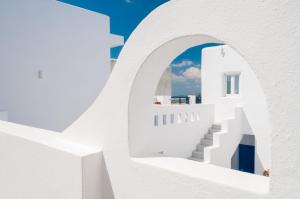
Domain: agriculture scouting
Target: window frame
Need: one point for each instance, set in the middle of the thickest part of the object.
(233, 76)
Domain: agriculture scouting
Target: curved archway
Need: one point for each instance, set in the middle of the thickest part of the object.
(236, 24)
(145, 84)
(148, 139)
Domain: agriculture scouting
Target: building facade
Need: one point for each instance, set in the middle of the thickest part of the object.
(91, 159)
(55, 57)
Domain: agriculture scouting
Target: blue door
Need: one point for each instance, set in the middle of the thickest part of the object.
(246, 158)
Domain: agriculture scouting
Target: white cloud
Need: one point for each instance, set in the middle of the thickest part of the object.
(183, 63)
(192, 73)
(178, 78)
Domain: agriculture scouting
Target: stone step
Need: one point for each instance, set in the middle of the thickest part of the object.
(217, 126)
(208, 136)
(197, 154)
(212, 130)
(206, 142)
(200, 147)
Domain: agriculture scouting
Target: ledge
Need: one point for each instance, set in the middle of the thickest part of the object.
(116, 40)
(224, 176)
(44, 137)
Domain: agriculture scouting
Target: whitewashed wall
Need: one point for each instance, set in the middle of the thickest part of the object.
(216, 62)
(38, 163)
(68, 45)
(229, 139)
(177, 136)
(214, 67)
(266, 33)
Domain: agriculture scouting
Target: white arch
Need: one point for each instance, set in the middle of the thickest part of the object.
(266, 33)
(146, 80)
(141, 130)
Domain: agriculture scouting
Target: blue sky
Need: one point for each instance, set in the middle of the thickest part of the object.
(186, 71)
(125, 15)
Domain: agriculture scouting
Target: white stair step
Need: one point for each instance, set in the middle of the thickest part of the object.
(212, 130)
(200, 147)
(217, 126)
(206, 142)
(208, 136)
(197, 154)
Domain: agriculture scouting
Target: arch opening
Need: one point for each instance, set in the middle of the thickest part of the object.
(210, 132)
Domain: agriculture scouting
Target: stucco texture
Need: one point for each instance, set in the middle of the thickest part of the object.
(265, 32)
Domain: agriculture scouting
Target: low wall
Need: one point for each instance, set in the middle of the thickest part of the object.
(208, 173)
(37, 163)
(172, 130)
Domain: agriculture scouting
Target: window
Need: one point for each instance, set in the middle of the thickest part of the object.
(232, 82)
(164, 119)
(172, 118)
(155, 120)
(228, 84)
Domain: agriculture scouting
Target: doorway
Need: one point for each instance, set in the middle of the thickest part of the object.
(246, 158)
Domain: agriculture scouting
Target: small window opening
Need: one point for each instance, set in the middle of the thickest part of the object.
(164, 119)
(232, 82)
(155, 120)
(172, 118)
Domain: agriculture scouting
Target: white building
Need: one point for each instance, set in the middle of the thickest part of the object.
(55, 57)
(231, 86)
(102, 154)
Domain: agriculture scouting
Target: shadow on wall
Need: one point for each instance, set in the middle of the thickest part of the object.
(248, 144)
(107, 187)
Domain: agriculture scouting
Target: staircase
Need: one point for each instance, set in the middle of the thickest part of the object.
(199, 154)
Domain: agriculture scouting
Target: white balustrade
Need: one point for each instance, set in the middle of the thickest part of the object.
(176, 114)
